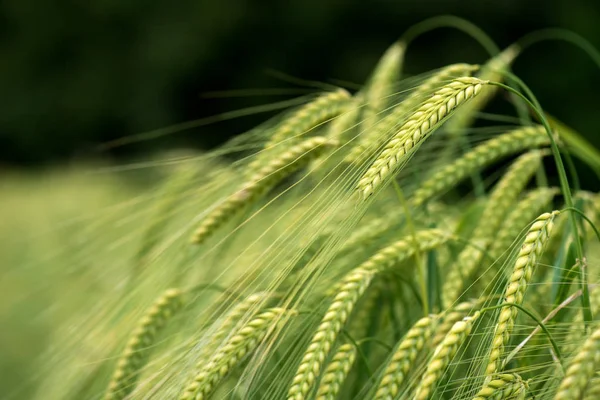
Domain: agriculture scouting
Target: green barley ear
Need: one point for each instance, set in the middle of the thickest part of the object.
(232, 353)
(264, 180)
(525, 210)
(452, 316)
(500, 201)
(531, 250)
(380, 130)
(503, 386)
(350, 289)
(136, 353)
(336, 372)
(322, 109)
(581, 370)
(423, 121)
(443, 355)
(403, 359)
(481, 156)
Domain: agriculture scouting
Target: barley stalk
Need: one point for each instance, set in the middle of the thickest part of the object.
(581, 369)
(136, 353)
(503, 386)
(443, 355)
(350, 290)
(237, 348)
(531, 250)
(403, 359)
(416, 129)
(485, 154)
(498, 205)
(336, 372)
(381, 129)
(274, 172)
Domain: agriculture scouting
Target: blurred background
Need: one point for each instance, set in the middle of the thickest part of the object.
(76, 75)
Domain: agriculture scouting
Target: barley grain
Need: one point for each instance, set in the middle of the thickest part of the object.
(581, 369)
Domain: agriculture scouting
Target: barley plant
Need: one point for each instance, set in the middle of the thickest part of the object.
(396, 241)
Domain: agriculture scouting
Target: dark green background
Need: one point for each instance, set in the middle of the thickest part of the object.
(74, 75)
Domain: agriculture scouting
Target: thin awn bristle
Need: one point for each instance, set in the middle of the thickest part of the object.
(264, 180)
(443, 355)
(481, 156)
(238, 347)
(336, 372)
(497, 206)
(136, 353)
(503, 387)
(351, 288)
(403, 359)
(531, 250)
(581, 370)
(416, 129)
(376, 132)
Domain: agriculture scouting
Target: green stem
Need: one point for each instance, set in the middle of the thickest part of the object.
(418, 256)
(564, 184)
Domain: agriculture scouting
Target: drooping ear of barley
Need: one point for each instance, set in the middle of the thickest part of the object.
(452, 316)
(581, 370)
(381, 82)
(525, 210)
(422, 122)
(350, 290)
(136, 353)
(322, 109)
(483, 155)
(237, 314)
(378, 132)
(238, 347)
(493, 71)
(592, 392)
(503, 386)
(403, 358)
(264, 180)
(443, 355)
(336, 372)
(500, 201)
(531, 250)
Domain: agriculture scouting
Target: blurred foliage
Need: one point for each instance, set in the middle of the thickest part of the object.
(75, 75)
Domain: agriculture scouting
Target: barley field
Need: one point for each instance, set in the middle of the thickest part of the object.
(395, 241)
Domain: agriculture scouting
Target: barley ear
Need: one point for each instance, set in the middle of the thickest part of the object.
(499, 203)
(581, 370)
(264, 180)
(322, 109)
(503, 386)
(336, 372)
(237, 348)
(443, 355)
(136, 353)
(403, 359)
(423, 121)
(531, 250)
